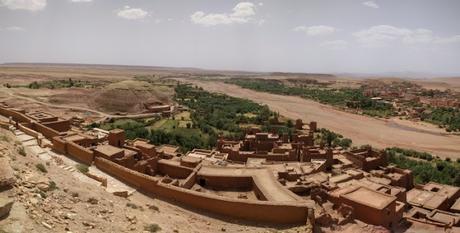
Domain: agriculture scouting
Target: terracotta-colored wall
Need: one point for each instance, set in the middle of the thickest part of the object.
(226, 182)
(17, 116)
(46, 131)
(354, 159)
(173, 171)
(243, 157)
(189, 181)
(84, 155)
(373, 164)
(131, 177)
(28, 131)
(250, 210)
(262, 211)
(61, 126)
(259, 194)
(59, 145)
(371, 215)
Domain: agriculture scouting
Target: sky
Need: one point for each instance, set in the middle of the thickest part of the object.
(320, 36)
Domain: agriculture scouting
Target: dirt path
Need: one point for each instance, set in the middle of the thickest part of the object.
(361, 129)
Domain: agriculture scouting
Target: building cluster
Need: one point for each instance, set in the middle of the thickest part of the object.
(264, 177)
(410, 99)
(165, 110)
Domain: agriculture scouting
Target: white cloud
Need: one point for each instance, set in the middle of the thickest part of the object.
(261, 22)
(418, 36)
(318, 30)
(242, 13)
(81, 0)
(371, 4)
(334, 44)
(447, 40)
(378, 36)
(132, 13)
(14, 28)
(30, 5)
(382, 35)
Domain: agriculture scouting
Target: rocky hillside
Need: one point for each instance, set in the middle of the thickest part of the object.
(130, 96)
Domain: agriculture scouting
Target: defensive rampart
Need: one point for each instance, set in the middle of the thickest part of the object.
(273, 212)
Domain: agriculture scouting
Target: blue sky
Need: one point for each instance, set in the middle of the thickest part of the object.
(329, 36)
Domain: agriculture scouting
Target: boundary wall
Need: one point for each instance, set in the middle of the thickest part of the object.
(273, 212)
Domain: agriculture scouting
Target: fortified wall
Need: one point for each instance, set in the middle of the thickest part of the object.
(82, 148)
(274, 212)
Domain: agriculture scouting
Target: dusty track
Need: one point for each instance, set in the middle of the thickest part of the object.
(361, 129)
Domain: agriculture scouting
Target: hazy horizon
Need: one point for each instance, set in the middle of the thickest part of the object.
(328, 36)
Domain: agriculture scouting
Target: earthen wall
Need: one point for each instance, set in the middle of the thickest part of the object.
(174, 171)
(80, 153)
(250, 210)
(17, 116)
(45, 130)
(61, 126)
(59, 145)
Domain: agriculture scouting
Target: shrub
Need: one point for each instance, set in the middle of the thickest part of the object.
(4, 138)
(42, 194)
(154, 207)
(152, 228)
(132, 205)
(34, 85)
(22, 151)
(52, 186)
(41, 168)
(93, 200)
(82, 168)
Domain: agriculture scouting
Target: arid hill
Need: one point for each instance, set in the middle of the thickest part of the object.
(130, 96)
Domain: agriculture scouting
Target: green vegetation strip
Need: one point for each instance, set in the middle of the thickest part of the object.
(343, 97)
(426, 167)
(442, 116)
(209, 115)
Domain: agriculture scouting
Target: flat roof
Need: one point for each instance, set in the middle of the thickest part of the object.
(40, 115)
(168, 149)
(340, 178)
(441, 188)
(143, 144)
(425, 199)
(263, 178)
(190, 159)
(116, 131)
(74, 137)
(286, 146)
(108, 150)
(369, 197)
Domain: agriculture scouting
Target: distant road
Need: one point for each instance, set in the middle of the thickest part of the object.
(361, 129)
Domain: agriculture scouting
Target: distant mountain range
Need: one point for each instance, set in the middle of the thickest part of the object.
(406, 74)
